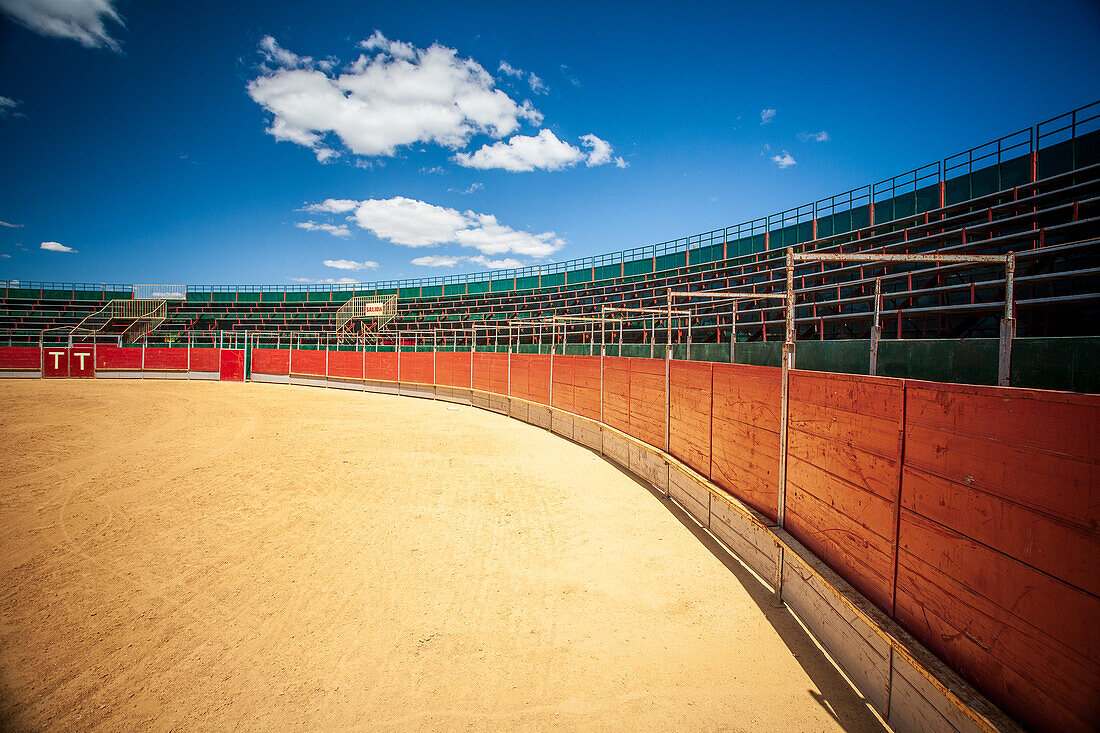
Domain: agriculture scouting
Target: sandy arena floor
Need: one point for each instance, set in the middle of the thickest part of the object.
(207, 556)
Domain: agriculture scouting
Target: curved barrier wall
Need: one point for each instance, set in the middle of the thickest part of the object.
(967, 515)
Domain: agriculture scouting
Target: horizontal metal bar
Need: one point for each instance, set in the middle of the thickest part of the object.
(814, 257)
(657, 311)
(729, 295)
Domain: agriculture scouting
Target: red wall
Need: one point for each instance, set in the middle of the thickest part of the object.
(166, 359)
(115, 357)
(416, 367)
(20, 357)
(205, 360)
(308, 363)
(344, 364)
(271, 361)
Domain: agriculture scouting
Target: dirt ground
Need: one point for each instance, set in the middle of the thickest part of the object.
(208, 556)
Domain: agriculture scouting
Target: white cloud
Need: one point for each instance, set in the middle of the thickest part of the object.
(766, 116)
(783, 160)
(508, 263)
(7, 105)
(510, 70)
(409, 222)
(10, 226)
(620, 163)
(437, 261)
(56, 247)
(5, 256)
(351, 264)
(488, 236)
(538, 86)
(473, 188)
(332, 206)
(325, 280)
(599, 151)
(80, 20)
(819, 137)
(522, 153)
(341, 230)
(392, 96)
(414, 223)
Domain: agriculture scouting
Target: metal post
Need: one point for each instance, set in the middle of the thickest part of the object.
(689, 337)
(876, 327)
(733, 330)
(1008, 325)
(553, 347)
(668, 364)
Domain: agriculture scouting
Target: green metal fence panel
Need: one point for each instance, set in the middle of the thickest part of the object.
(637, 267)
(584, 275)
(431, 291)
(223, 297)
(713, 253)
(608, 272)
(295, 297)
(408, 292)
(478, 287)
(275, 297)
(321, 297)
(455, 289)
(248, 297)
(527, 283)
(672, 261)
(965, 361)
(553, 280)
(1067, 363)
(503, 286)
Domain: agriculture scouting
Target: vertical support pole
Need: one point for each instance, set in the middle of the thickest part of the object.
(508, 389)
(397, 344)
(435, 350)
(689, 320)
(733, 329)
(189, 356)
(668, 364)
(876, 327)
(553, 348)
(144, 341)
(1008, 325)
(784, 415)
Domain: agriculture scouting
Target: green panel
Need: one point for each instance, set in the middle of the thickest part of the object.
(557, 279)
(1071, 364)
(861, 217)
(579, 350)
(970, 361)
(609, 272)
(96, 295)
(198, 297)
(388, 291)
(1016, 172)
(22, 293)
(295, 297)
(1055, 159)
(759, 353)
(928, 198)
(57, 294)
(319, 297)
(455, 289)
(527, 283)
(223, 297)
(847, 357)
(479, 287)
(580, 276)
(671, 261)
(408, 293)
(712, 253)
(275, 297)
(248, 297)
(503, 286)
(699, 352)
(639, 267)
(431, 291)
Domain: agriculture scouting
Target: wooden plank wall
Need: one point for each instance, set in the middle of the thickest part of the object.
(647, 401)
(310, 363)
(745, 434)
(20, 357)
(586, 386)
(114, 357)
(343, 364)
(271, 361)
(563, 383)
(616, 392)
(999, 562)
(690, 395)
(843, 468)
(416, 367)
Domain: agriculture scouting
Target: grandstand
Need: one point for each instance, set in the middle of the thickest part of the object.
(1035, 193)
(989, 558)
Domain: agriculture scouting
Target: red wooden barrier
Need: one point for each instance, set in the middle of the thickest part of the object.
(453, 369)
(537, 367)
(416, 367)
(563, 383)
(115, 357)
(308, 363)
(20, 357)
(271, 361)
(231, 367)
(586, 386)
(616, 392)
(647, 401)
(745, 437)
(690, 408)
(999, 548)
(344, 364)
(843, 470)
(165, 359)
(205, 360)
(77, 362)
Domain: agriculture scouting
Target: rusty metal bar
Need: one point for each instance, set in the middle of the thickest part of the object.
(876, 327)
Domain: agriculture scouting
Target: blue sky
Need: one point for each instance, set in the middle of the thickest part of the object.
(198, 142)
